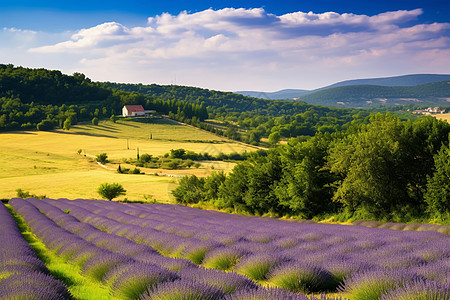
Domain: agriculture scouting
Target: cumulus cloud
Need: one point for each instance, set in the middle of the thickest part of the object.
(218, 43)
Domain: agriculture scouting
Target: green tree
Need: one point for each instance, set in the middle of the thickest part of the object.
(213, 183)
(232, 132)
(254, 137)
(383, 165)
(274, 138)
(145, 158)
(427, 135)
(263, 177)
(190, 190)
(67, 124)
(45, 125)
(113, 118)
(371, 164)
(305, 187)
(95, 121)
(111, 190)
(177, 153)
(437, 195)
(231, 193)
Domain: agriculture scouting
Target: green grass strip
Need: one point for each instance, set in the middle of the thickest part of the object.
(82, 288)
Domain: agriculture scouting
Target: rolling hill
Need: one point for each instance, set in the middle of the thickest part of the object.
(435, 94)
(371, 92)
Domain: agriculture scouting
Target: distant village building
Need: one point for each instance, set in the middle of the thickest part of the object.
(429, 111)
(135, 111)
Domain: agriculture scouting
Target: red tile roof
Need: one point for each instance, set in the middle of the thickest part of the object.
(134, 108)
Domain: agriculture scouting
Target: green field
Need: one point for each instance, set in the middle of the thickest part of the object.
(48, 163)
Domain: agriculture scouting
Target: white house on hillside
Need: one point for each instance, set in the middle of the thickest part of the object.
(135, 111)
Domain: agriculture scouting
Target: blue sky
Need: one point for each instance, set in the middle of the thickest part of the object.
(228, 45)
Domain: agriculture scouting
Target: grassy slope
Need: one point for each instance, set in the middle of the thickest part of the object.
(48, 163)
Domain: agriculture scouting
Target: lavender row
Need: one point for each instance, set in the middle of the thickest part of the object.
(227, 283)
(402, 226)
(342, 250)
(340, 265)
(22, 274)
(127, 273)
(277, 236)
(94, 261)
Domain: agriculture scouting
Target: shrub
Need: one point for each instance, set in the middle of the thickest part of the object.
(97, 266)
(24, 194)
(111, 190)
(196, 253)
(177, 153)
(301, 278)
(258, 266)
(145, 158)
(45, 125)
(102, 158)
(370, 285)
(129, 281)
(222, 259)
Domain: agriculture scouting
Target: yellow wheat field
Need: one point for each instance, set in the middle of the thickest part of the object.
(48, 163)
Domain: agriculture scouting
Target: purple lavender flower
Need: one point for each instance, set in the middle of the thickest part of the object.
(197, 252)
(33, 285)
(419, 290)
(286, 242)
(372, 284)
(97, 266)
(304, 278)
(95, 230)
(228, 282)
(32, 263)
(438, 271)
(259, 265)
(182, 290)
(266, 294)
(222, 258)
(130, 280)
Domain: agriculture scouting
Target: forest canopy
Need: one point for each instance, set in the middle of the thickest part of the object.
(386, 169)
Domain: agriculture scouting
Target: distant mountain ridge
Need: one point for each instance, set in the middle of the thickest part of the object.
(360, 96)
(405, 80)
(372, 92)
(279, 95)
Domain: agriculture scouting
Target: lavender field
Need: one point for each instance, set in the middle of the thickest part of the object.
(158, 251)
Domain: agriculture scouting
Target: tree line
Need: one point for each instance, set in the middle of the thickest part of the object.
(383, 169)
(43, 99)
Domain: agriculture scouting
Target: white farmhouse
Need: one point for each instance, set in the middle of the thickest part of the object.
(134, 111)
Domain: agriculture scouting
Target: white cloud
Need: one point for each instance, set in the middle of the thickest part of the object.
(249, 48)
